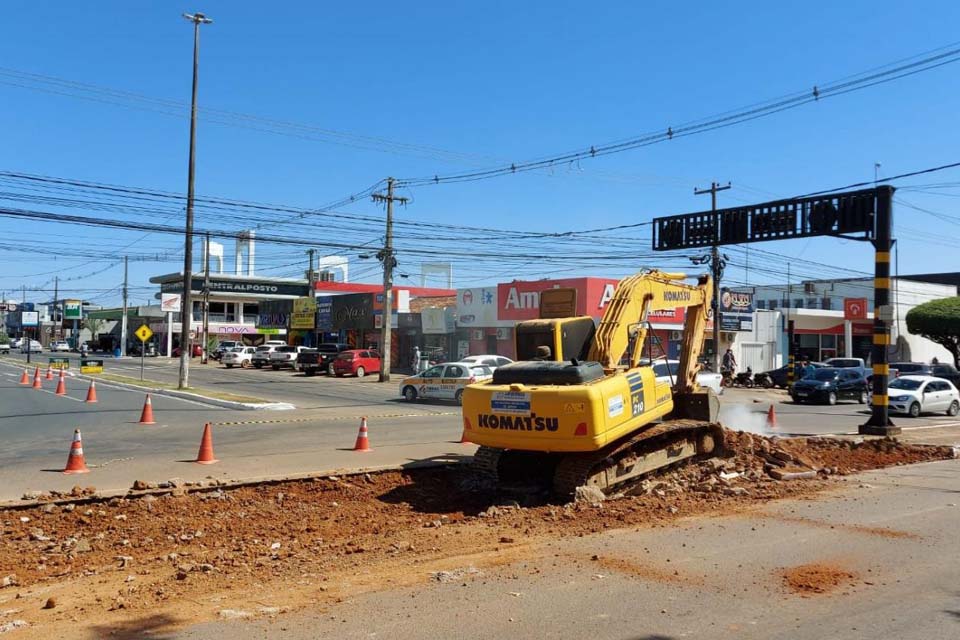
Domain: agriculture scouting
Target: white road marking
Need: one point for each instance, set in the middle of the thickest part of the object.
(54, 393)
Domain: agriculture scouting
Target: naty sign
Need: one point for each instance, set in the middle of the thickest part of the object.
(353, 311)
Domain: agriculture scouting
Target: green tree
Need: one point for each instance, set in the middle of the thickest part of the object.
(939, 321)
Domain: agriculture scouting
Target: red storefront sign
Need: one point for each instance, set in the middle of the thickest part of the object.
(667, 316)
(854, 308)
(857, 329)
(520, 300)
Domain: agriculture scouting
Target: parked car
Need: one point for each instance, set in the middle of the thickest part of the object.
(238, 357)
(916, 394)
(60, 345)
(848, 363)
(491, 361)
(666, 373)
(285, 356)
(223, 347)
(5, 347)
(947, 372)
(356, 362)
(830, 385)
(32, 346)
(779, 376)
(197, 351)
(444, 381)
(313, 361)
(16, 343)
(261, 355)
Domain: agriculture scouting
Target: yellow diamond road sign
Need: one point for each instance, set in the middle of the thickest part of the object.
(143, 333)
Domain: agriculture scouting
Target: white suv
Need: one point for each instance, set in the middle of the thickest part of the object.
(60, 346)
(285, 356)
(237, 357)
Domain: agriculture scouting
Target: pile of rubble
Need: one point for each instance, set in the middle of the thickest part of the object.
(756, 465)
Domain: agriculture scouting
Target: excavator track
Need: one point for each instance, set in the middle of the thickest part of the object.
(609, 469)
(662, 445)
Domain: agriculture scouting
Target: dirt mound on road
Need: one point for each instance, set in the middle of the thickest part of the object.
(817, 578)
(311, 542)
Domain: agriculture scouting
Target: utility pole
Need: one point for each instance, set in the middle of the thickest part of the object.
(389, 262)
(206, 299)
(311, 292)
(717, 267)
(56, 291)
(186, 308)
(123, 318)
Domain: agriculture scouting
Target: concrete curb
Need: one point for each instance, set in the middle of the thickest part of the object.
(194, 397)
(211, 486)
(173, 393)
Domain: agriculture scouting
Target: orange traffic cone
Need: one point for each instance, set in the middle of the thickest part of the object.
(92, 392)
(25, 378)
(363, 442)
(75, 461)
(62, 385)
(49, 373)
(771, 418)
(36, 379)
(205, 455)
(146, 417)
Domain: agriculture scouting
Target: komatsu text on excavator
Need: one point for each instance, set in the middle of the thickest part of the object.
(579, 408)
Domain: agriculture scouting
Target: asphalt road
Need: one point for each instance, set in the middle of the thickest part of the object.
(713, 578)
(284, 385)
(36, 429)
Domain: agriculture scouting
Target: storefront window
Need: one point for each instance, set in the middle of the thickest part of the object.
(250, 312)
(809, 346)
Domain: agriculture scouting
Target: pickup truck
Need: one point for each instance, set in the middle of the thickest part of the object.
(285, 356)
(313, 361)
(5, 347)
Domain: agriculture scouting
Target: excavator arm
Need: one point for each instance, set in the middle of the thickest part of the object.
(633, 299)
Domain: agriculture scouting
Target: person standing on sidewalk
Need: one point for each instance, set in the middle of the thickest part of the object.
(416, 360)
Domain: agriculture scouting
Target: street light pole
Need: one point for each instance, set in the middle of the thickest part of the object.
(186, 308)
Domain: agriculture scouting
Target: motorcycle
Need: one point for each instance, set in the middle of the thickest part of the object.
(744, 379)
(763, 380)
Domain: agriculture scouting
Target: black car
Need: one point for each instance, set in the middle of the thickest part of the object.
(829, 385)
(939, 370)
(779, 376)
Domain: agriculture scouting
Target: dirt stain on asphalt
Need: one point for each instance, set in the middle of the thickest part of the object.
(817, 578)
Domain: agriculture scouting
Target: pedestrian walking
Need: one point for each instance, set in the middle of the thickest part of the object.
(415, 365)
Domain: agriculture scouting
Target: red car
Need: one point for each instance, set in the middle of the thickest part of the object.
(356, 362)
(197, 351)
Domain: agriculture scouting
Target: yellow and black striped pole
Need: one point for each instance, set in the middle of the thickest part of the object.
(879, 423)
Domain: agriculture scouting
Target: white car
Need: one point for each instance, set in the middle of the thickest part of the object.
(914, 395)
(444, 381)
(5, 347)
(34, 346)
(16, 343)
(491, 361)
(60, 345)
(285, 356)
(238, 357)
(666, 372)
(261, 356)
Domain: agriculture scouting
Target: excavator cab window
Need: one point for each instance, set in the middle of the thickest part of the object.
(567, 338)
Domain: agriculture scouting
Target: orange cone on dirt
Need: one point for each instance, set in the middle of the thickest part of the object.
(92, 392)
(146, 416)
(49, 373)
(771, 418)
(205, 455)
(37, 384)
(62, 385)
(25, 378)
(363, 441)
(75, 461)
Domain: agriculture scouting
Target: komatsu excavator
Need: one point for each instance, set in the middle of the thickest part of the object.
(579, 408)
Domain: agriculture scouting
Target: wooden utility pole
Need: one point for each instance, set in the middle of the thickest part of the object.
(389, 262)
(206, 300)
(717, 268)
(123, 318)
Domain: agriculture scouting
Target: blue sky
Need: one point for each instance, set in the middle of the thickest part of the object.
(487, 82)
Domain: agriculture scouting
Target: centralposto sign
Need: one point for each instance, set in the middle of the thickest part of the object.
(234, 286)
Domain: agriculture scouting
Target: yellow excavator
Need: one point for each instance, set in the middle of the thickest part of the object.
(581, 406)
